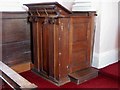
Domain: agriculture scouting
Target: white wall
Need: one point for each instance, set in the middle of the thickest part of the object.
(106, 41)
(17, 5)
(10, 5)
(109, 26)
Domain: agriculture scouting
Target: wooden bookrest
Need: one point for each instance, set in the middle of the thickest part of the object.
(13, 79)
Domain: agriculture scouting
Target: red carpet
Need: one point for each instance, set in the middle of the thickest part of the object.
(99, 82)
(112, 71)
(102, 81)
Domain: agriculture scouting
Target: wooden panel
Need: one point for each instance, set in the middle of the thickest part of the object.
(51, 49)
(63, 47)
(14, 53)
(14, 15)
(80, 31)
(48, 49)
(15, 38)
(79, 60)
(80, 34)
(35, 45)
(56, 51)
(45, 31)
(78, 57)
(15, 30)
(43, 43)
(79, 46)
(17, 48)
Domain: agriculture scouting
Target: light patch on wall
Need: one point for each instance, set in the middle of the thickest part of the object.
(10, 5)
(109, 26)
(66, 3)
(17, 5)
(104, 59)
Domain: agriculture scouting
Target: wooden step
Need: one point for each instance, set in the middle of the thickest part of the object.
(83, 75)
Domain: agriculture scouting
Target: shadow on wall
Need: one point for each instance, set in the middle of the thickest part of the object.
(119, 28)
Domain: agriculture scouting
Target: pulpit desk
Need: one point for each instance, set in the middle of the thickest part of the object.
(62, 43)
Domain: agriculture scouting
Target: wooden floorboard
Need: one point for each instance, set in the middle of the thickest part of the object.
(19, 68)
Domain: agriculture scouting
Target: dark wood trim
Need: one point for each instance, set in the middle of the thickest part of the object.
(14, 15)
(84, 13)
(49, 3)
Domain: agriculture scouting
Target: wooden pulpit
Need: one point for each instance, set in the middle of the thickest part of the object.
(62, 43)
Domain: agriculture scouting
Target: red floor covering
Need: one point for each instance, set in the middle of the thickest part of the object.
(112, 70)
(102, 81)
(98, 82)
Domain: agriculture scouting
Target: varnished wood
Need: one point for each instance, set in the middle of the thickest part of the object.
(49, 5)
(15, 38)
(22, 67)
(63, 52)
(83, 75)
(62, 41)
(80, 46)
(15, 53)
(11, 15)
(14, 79)
(9, 35)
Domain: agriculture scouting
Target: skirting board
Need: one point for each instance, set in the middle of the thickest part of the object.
(101, 60)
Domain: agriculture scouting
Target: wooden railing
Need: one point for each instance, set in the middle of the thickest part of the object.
(13, 79)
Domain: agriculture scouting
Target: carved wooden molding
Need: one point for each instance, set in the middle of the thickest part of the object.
(49, 20)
